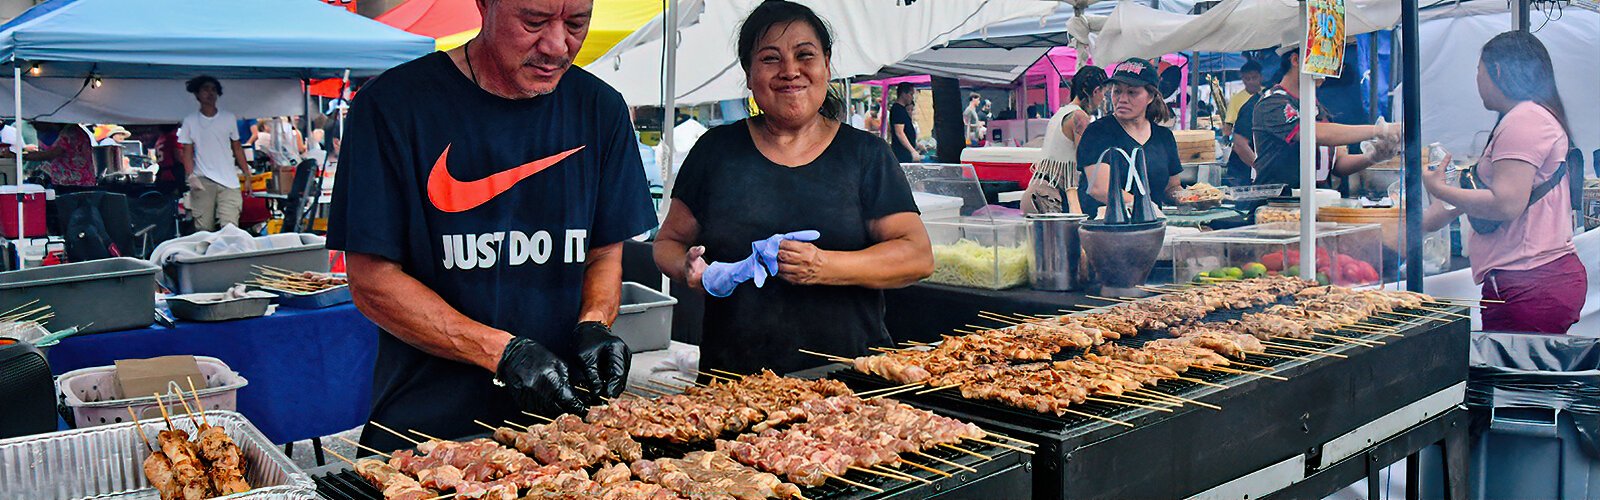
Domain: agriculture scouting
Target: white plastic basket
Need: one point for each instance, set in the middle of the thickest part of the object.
(94, 398)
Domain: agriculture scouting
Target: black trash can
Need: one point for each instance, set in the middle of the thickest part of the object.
(1535, 406)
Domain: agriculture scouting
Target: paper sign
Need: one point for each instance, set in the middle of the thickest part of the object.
(1323, 50)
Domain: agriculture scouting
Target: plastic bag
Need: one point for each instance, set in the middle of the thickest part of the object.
(1556, 372)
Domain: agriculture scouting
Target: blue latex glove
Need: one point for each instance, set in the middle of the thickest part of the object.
(768, 248)
(721, 278)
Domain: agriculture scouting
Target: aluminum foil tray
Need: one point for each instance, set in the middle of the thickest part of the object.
(106, 462)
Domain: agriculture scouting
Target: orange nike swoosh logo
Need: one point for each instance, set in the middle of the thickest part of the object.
(451, 195)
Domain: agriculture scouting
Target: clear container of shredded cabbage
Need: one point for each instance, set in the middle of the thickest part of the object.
(979, 252)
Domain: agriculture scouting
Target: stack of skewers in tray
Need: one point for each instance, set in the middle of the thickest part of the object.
(1050, 363)
(303, 282)
(749, 437)
(211, 465)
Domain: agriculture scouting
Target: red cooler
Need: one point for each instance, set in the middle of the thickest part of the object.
(999, 163)
(33, 196)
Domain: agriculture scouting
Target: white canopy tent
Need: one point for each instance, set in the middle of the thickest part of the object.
(867, 37)
(1452, 37)
(1136, 30)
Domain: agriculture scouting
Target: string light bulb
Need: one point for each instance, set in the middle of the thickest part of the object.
(94, 81)
(34, 70)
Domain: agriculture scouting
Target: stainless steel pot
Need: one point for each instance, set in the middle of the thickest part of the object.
(1053, 260)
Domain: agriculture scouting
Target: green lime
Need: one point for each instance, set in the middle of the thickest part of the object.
(1258, 267)
(1322, 279)
(1293, 271)
(1235, 273)
(1201, 278)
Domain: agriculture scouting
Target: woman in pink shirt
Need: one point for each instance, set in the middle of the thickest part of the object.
(1528, 261)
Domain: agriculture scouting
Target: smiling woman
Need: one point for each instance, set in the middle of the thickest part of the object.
(795, 167)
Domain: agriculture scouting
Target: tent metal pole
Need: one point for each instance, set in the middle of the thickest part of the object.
(669, 106)
(16, 98)
(1412, 118)
(1373, 96)
(1519, 15)
(1308, 161)
(1193, 99)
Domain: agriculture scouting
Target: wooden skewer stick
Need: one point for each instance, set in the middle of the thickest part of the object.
(1309, 341)
(1452, 304)
(1201, 404)
(830, 475)
(515, 425)
(828, 357)
(939, 460)
(1024, 318)
(1135, 405)
(395, 432)
(725, 372)
(884, 349)
(1301, 349)
(1244, 372)
(995, 318)
(1464, 299)
(1011, 439)
(540, 417)
(1246, 365)
(164, 415)
(140, 427)
(651, 391)
(967, 451)
(340, 457)
(1407, 315)
(881, 467)
(368, 448)
(713, 376)
(888, 389)
(1446, 313)
(687, 381)
(1280, 356)
(1097, 417)
(1109, 299)
(443, 497)
(1371, 332)
(197, 404)
(1017, 449)
(1146, 399)
(980, 328)
(1201, 382)
(15, 309)
(1352, 340)
(879, 474)
(891, 393)
(430, 438)
(186, 409)
(935, 389)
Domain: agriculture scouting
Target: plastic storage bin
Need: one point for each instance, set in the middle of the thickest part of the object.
(217, 273)
(1535, 403)
(123, 292)
(645, 318)
(1347, 254)
(979, 252)
(92, 397)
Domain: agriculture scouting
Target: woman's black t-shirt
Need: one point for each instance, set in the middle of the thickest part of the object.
(739, 196)
(1160, 152)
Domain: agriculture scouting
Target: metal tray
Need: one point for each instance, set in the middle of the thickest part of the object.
(107, 462)
(196, 307)
(319, 299)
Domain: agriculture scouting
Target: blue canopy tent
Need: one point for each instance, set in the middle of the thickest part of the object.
(123, 60)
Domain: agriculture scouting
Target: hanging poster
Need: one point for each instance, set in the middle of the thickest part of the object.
(1324, 43)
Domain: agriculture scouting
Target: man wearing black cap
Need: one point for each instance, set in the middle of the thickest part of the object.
(1277, 135)
(1131, 131)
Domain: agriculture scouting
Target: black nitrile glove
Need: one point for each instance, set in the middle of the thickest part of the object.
(603, 359)
(537, 379)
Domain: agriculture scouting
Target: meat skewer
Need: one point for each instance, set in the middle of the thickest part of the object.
(188, 472)
(226, 462)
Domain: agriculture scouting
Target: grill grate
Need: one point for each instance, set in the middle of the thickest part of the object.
(1069, 423)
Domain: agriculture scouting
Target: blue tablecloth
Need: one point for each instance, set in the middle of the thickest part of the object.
(310, 371)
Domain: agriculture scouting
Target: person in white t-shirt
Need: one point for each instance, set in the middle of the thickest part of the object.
(212, 158)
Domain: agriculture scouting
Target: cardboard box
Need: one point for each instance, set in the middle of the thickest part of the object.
(147, 377)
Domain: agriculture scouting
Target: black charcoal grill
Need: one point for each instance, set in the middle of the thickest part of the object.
(1006, 476)
(1270, 437)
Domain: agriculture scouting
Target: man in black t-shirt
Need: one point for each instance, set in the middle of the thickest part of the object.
(483, 196)
(1237, 125)
(902, 129)
(1276, 133)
